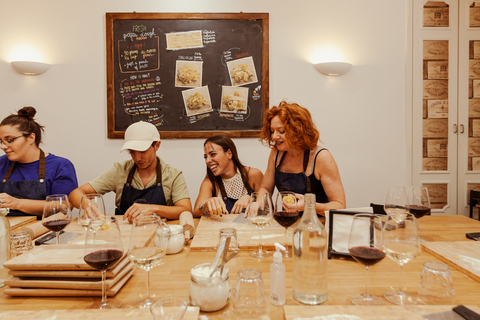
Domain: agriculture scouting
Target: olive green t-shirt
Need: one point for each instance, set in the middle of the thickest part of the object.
(114, 179)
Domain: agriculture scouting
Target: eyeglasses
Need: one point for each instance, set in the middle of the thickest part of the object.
(9, 141)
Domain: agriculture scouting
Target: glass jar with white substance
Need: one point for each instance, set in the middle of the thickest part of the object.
(175, 244)
(209, 294)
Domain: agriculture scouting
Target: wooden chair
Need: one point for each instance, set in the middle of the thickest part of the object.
(474, 202)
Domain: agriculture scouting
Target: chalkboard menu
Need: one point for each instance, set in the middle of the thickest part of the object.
(192, 75)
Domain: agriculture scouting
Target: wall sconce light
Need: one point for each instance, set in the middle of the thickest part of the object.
(333, 68)
(30, 68)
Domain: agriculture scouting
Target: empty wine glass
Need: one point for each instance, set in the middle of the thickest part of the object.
(365, 245)
(103, 249)
(56, 213)
(401, 245)
(91, 206)
(259, 212)
(249, 299)
(148, 245)
(418, 202)
(286, 214)
(396, 203)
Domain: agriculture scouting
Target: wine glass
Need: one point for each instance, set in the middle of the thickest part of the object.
(259, 212)
(103, 249)
(401, 245)
(148, 245)
(365, 245)
(418, 202)
(396, 203)
(56, 213)
(286, 214)
(91, 206)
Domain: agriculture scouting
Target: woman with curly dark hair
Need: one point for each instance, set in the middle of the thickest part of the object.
(228, 184)
(296, 163)
(27, 174)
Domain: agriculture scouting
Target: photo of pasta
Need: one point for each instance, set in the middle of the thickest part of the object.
(242, 71)
(188, 74)
(197, 101)
(234, 99)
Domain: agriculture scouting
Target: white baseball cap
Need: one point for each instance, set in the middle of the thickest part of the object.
(139, 136)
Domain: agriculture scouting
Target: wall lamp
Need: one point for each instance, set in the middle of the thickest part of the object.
(333, 68)
(30, 68)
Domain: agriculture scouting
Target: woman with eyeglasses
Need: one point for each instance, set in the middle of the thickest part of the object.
(27, 174)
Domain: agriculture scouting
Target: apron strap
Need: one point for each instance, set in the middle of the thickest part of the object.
(159, 173)
(306, 155)
(41, 168)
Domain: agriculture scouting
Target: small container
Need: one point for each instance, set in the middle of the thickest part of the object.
(209, 294)
(175, 244)
(20, 242)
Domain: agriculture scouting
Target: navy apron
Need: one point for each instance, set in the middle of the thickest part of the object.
(294, 182)
(150, 195)
(26, 189)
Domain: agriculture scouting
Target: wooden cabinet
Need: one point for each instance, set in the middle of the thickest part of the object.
(444, 57)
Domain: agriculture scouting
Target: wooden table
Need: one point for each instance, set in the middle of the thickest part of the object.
(345, 277)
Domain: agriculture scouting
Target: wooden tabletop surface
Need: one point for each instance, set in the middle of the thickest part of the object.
(345, 277)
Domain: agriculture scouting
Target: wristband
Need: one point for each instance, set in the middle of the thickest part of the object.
(205, 213)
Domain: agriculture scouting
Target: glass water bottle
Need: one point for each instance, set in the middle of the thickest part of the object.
(310, 257)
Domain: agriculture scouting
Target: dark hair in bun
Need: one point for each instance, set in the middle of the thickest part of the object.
(25, 123)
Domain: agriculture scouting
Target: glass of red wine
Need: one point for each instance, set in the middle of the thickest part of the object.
(103, 249)
(418, 202)
(286, 214)
(365, 245)
(56, 213)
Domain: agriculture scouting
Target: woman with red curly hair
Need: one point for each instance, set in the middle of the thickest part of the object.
(296, 163)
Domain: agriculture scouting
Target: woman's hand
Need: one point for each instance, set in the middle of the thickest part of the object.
(241, 204)
(300, 201)
(215, 206)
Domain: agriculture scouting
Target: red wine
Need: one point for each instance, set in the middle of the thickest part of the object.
(418, 211)
(103, 259)
(366, 255)
(285, 218)
(56, 225)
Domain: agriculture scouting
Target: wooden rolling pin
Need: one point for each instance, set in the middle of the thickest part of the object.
(186, 220)
(36, 229)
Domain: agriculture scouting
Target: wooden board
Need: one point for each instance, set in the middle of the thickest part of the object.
(206, 235)
(18, 222)
(70, 273)
(56, 257)
(112, 314)
(365, 312)
(48, 292)
(461, 255)
(68, 283)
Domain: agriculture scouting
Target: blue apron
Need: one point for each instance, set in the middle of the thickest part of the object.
(150, 195)
(230, 202)
(294, 182)
(26, 189)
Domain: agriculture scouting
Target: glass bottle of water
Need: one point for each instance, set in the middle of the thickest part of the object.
(310, 257)
(4, 239)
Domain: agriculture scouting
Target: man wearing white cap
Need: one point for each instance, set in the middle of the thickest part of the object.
(144, 184)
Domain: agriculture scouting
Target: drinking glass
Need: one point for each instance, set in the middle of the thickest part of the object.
(56, 213)
(396, 203)
(91, 206)
(169, 309)
(418, 202)
(401, 244)
(103, 249)
(148, 245)
(249, 299)
(259, 212)
(286, 214)
(365, 245)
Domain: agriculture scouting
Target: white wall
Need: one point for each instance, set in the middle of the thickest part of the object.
(361, 115)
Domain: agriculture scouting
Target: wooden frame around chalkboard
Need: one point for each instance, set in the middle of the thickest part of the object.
(263, 79)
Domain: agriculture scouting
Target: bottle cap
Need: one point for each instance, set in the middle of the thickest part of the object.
(277, 256)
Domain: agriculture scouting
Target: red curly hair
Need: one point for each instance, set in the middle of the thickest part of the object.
(299, 127)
